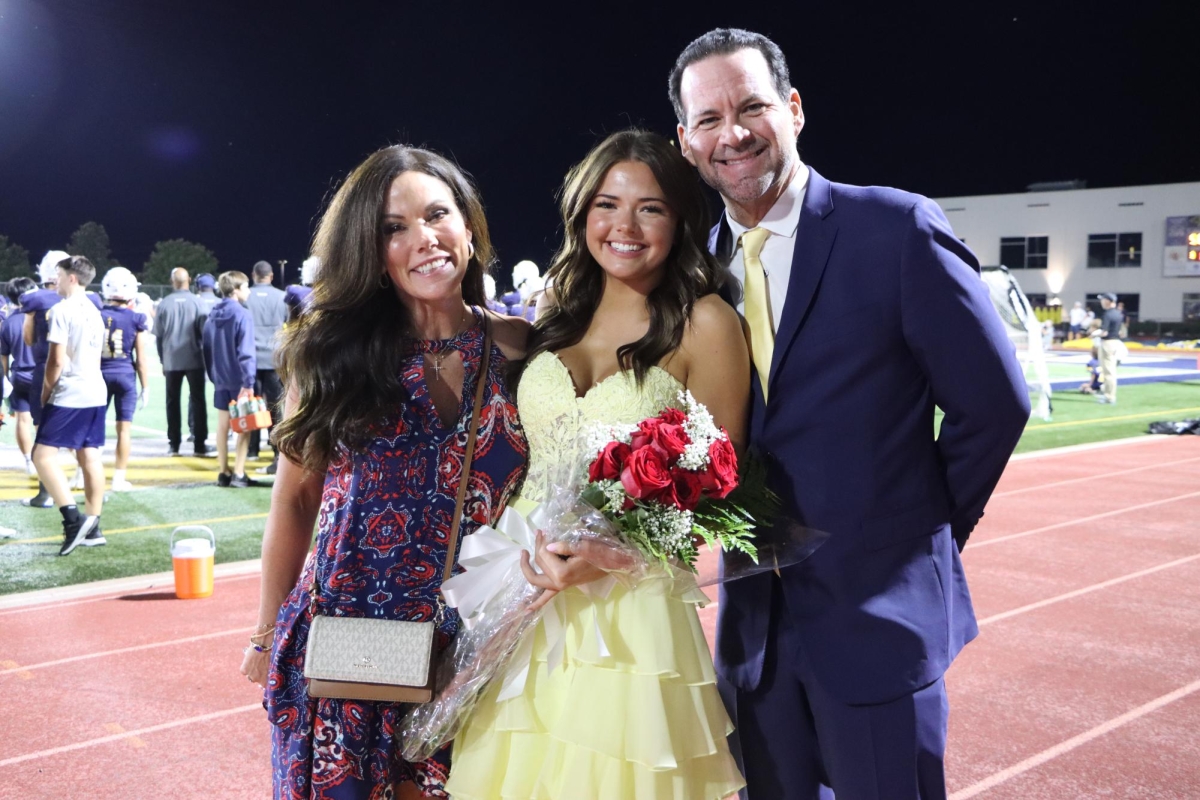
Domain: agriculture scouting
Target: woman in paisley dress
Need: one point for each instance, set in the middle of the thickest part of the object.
(381, 372)
(630, 711)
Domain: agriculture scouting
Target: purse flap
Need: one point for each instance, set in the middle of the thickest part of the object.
(367, 650)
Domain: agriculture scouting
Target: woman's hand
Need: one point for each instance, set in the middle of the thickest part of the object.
(563, 566)
(255, 664)
(246, 392)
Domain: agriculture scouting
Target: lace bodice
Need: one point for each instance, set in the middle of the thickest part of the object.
(554, 418)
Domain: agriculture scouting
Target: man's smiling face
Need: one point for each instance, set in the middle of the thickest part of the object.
(739, 133)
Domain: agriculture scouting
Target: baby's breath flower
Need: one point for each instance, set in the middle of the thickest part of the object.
(701, 430)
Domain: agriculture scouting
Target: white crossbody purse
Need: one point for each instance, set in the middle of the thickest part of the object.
(364, 658)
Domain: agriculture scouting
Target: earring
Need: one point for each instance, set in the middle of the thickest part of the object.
(384, 281)
(470, 249)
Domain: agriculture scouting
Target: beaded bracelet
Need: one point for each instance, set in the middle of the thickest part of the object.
(258, 648)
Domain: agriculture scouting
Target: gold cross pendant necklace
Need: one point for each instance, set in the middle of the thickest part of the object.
(436, 361)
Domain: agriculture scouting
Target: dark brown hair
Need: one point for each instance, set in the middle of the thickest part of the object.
(342, 356)
(83, 270)
(723, 42)
(690, 271)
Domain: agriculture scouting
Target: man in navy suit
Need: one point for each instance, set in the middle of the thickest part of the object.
(864, 312)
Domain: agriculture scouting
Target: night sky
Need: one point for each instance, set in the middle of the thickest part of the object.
(229, 124)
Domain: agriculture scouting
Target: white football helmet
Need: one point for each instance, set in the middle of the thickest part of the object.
(119, 284)
(48, 269)
(308, 270)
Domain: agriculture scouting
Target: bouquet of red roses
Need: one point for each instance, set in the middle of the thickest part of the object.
(665, 483)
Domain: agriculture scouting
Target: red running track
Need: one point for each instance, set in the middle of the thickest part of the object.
(1085, 681)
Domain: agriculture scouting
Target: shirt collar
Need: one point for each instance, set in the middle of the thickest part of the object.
(784, 217)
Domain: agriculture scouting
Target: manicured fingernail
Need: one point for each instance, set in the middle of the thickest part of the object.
(553, 548)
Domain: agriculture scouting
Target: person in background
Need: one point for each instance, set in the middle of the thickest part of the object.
(1093, 367)
(229, 358)
(123, 358)
(297, 296)
(36, 306)
(1076, 319)
(269, 312)
(205, 284)
(143, 305)
(1109, 347)
(72, 396)
(489, 292)
(177, 327)
(1124, 321)
(16, 361)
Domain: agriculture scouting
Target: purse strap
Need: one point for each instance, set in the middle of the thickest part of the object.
(472, 435)
(481, 379)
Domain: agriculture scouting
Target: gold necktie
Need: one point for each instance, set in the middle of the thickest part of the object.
(758, 307)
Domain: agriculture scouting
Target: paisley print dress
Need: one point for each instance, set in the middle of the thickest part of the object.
(383, 534)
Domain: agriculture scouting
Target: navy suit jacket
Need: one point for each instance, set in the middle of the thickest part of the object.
(885, 317)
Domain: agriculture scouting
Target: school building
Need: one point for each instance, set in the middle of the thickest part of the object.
(1065, 243)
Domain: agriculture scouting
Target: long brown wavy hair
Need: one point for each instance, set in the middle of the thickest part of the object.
(342, 357)
(578, 281)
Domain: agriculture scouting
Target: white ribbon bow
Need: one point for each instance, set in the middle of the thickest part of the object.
(492, 558)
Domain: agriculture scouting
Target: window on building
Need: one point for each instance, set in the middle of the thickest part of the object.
(1114, 250)
(1024, 252)
(1191, 306)
(1036, 300)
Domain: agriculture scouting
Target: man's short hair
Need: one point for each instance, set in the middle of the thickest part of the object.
(231, 281)
(83, 270)
(722, 42)
(263, 269)
(19, 286)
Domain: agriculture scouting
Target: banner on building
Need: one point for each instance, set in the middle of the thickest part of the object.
(1181, 255)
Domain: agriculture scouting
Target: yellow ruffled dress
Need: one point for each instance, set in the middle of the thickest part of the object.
(630, 710)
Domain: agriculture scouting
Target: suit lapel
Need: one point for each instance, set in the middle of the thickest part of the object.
(720, 244)
(814, 242)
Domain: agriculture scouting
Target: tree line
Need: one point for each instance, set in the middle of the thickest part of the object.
(91, 240)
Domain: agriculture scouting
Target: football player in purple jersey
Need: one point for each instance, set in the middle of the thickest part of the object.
(125, 333)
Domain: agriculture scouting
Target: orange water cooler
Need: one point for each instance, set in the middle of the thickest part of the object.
(192, 558)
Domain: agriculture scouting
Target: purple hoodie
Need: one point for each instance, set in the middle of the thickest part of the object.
(228, 344)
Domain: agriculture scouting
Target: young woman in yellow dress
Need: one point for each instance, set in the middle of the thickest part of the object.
(630, 709)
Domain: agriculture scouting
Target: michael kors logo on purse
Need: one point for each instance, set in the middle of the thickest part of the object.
(366, 662)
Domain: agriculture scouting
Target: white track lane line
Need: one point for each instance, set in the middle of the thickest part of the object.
(1095, 587)
(54, 751)
(134, 649)
(1093, 477)
(1080, 520)
(69, 603)
(1062, 748)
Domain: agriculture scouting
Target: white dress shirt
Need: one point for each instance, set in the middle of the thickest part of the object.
(782, 221)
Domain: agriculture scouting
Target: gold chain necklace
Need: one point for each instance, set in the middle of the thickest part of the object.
(436, 360)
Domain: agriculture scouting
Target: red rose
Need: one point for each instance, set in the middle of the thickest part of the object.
(671, 439)
(644, 435)
(646, 474)
(688, 489)
(722, 468)
(610, 462)
(673, 416)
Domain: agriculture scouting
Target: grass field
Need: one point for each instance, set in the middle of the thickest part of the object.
(138, 525)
